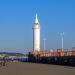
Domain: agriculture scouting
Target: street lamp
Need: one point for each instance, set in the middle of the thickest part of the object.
(62, 35)
(44, 43)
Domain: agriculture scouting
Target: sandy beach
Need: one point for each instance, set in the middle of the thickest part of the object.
(24, 68)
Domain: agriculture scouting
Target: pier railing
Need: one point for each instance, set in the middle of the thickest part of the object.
(54, 53)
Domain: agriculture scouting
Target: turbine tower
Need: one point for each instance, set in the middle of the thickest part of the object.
(36, 35)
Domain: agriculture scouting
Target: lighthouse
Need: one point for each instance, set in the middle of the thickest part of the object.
(36, 35)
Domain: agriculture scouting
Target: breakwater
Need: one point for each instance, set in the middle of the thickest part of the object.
(58, 60)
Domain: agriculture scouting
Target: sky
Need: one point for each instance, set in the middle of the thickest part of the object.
(17, 19)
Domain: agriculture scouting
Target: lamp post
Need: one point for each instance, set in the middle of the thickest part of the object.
(44, 41)
(62, 35)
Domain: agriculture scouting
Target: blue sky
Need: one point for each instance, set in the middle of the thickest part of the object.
(17, 19)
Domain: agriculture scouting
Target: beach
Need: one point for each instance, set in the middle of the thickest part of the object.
(24, 68)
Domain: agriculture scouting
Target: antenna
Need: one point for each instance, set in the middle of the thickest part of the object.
(62, 35)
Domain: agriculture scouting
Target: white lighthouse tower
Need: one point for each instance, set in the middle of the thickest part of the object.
(36, 35)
